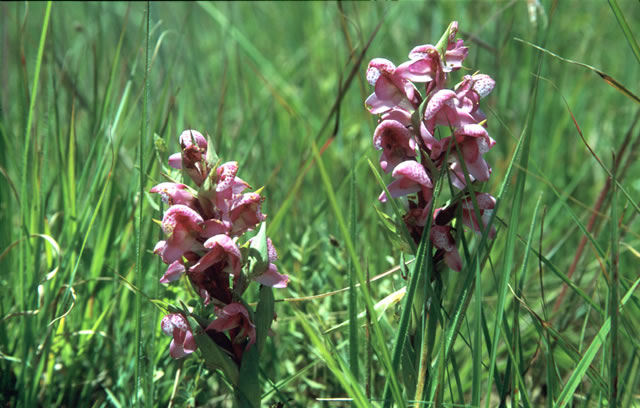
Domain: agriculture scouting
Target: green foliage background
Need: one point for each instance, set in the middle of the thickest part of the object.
(261, 79)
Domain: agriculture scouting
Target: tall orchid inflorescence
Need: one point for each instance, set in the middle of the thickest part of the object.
(204, 231)
(411, 133)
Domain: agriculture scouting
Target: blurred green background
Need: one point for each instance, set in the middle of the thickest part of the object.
(261, 79)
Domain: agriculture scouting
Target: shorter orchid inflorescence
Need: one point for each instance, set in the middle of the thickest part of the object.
(411, 132)
(204, 231)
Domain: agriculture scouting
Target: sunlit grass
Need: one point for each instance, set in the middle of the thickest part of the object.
(271, 84)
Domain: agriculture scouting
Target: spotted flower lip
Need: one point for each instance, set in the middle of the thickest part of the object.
(442, 239)
(183, 343)
(245, 213)
(232, 316)
(486, 205)
(411, 177)
(395, 141)
(227, 179)
(174, 193)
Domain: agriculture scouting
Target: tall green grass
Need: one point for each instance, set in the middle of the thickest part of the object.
(94, 96)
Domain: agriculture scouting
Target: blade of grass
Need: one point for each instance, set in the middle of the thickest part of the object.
(608, 79)
(353, 293)
(613, 297)
(28, 216)
(138, 273)
(625, 28)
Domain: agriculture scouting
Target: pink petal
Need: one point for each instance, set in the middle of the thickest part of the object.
(173, 273)
(213, 227)
(272, 278)
(453, 260)
(441, 238)
(189, 136)
(183, 216)
(483, 84)
(413, 171)
(437, 102)
(175, 160)
(226, 175)
(479, 169)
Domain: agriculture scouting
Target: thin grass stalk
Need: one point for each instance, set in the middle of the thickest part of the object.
(28, 216)
(138, 272)
(628, 34)
(520, 279)
(613, 296)
(353, 293)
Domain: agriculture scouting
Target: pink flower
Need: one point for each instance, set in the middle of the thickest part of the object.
(486, 204)
(183, 342)
(411, 177)
(397, 145)
(174, 193)
(221, 249)
(271, 277)
(245, 213)
(441, 238)
(446, 109)
(232, 316)
(227, 180)
(182, 225)
(426, 64)
(471, 90)
(391, 89)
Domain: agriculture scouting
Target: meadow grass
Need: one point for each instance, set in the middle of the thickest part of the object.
(94, 96)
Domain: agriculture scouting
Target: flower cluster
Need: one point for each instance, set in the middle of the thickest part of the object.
(203, 231)
(413, 151)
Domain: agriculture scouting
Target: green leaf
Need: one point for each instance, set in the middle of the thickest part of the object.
(212, 158)
(264, 315)
(248, 392)
(259, 251)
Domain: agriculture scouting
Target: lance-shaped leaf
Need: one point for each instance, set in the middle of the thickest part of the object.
(259, 252)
